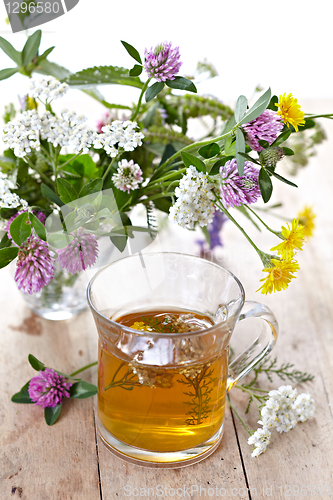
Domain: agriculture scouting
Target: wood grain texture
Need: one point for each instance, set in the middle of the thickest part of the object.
(37, 461)
(223, 469)
(66, 461)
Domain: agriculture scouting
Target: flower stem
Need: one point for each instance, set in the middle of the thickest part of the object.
(83, 368)
(237, 415)
(73, 158)
(165, 177)
(137, 109)
(328, 115)
(277, 233)
(225, 211)
(43, 176)
(196, 145)
(109, 168)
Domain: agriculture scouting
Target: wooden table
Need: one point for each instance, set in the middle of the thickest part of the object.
(68, 460)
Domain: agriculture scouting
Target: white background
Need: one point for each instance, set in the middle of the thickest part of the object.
(284, 44)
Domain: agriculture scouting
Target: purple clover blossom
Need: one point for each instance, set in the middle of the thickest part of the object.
(80, 253)
(162, 62)
(236, 189)
(48, 388)
(264, 128)
(40, 216)
(34, 268)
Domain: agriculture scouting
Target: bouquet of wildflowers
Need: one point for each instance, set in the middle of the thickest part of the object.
(64, 183)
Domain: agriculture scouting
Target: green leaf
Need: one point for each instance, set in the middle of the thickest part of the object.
(136, 70)
(102, 75)
(281, 138)
(59, 240)
(182, 83)
(264, 144)
(258, 107)
(92, 226)
(249, 158)
(240, 148)
(45, 54)
(119, 237)
(10, 51)
(189, 160)
(167, 153)
(153, 90)
(38, 226)
(241, 106)
(51, 414)
(71, 175)
(288, 151)
(273, 102)
(210, 150)
(36, 364)
(46, 67)
(132, 51)
(119, 234)
(216, 167)
(5, 241)
(30, 49)
(83, 165)
(283, 179)
(308, 124)
(70, 220)
(82, 390)
(163, 204)
(22, 397)
(265, 184)
(7, 73)
(66, 191)
(114, 106)
(20, 229)
(7, 255)
(50, 195)
(92, 187)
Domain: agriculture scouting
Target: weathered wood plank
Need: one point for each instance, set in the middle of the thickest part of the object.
(37, 461)
(304, 456)
(222, 471)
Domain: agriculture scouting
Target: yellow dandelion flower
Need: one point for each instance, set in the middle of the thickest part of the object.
(290, 111)
(279, 275)
(307, 217)
(294, 239)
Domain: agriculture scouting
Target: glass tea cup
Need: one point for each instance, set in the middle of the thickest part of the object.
(161, 394)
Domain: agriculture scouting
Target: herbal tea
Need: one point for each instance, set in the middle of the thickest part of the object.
(163, 408)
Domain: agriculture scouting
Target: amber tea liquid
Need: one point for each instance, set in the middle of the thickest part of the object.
(163, 409)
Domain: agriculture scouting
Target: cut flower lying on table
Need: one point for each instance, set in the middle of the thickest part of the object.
(58, 166)
(281, 409)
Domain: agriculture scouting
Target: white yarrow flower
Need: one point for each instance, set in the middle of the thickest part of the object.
(47, 88)
(22, 134)
(304, 407)
(82, 137)
(260, 439)
(195, 201)
(278, 411)
(121, 134)
(7, 198)
(67, 130)
(128, 176)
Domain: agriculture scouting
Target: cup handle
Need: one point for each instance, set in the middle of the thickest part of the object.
(260, 348)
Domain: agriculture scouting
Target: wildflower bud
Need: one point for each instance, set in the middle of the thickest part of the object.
(270, 156)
